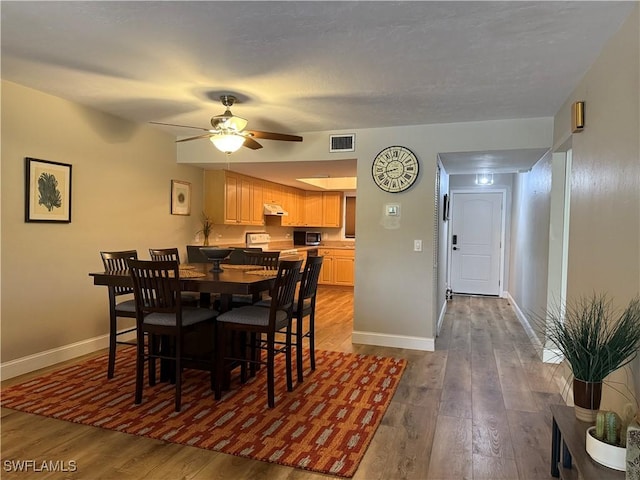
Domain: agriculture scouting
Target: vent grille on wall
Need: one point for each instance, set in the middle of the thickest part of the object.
(342, 143)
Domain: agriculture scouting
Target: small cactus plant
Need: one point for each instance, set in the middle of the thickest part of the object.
(612, 429)
(612, 424)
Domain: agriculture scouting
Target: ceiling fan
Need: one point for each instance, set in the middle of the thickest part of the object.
(228, 133)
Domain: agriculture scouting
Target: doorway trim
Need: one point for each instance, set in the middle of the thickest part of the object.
(502, 191)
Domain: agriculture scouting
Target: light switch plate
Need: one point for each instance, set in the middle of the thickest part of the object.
(417, 245)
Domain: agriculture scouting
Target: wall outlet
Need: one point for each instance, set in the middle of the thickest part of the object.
(417, 245)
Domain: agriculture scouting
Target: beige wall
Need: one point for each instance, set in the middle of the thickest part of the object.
(530, 238)
(120, 200)
(604, 231)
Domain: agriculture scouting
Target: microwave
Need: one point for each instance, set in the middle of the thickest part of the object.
(307, 238)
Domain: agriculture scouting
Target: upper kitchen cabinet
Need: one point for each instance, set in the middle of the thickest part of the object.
(292, 202)
(273, 193)
(233, 199)
(323, 209)
(332, 209)
(312, 209)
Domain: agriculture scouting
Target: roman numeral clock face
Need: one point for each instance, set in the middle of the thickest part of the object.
(395, 169)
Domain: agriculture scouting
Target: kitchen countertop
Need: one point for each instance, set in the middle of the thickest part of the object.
(280, 246)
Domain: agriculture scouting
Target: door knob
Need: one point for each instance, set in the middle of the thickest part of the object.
(455, 248)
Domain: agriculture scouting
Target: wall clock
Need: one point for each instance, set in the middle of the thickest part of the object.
(395, 169)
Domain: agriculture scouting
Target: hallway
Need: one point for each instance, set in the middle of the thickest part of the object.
(476, 408)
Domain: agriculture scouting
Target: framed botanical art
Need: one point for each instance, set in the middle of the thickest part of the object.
(180, 198)
(47, 191)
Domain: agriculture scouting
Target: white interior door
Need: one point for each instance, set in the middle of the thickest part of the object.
(476, 234)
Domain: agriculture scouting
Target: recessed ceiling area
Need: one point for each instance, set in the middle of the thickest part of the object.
(288, 173)
(496, 161)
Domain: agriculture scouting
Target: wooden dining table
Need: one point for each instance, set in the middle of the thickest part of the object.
(198, 277)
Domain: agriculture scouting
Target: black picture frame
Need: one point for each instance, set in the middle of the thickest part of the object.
(47, 191)
(445, 208)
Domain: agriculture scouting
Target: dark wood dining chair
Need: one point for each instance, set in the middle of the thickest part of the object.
(172, 254)
(160, 314)
(266, 260)
(117, 261)
(305, 306)
(254, 322)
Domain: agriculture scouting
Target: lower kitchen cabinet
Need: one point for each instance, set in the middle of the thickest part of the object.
(337, 266)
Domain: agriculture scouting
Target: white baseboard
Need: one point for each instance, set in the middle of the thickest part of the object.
(395, 341)
(34, 362)
(549, 355)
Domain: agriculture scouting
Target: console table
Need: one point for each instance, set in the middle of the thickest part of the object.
(568, 439)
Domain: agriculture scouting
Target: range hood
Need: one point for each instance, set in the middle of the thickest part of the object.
(274, 209)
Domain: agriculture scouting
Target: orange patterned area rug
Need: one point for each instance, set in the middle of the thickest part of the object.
(324, 425)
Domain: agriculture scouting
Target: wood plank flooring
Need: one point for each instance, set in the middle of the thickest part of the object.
(476, 408)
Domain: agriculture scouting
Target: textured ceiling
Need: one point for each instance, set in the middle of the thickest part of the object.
(308, 66)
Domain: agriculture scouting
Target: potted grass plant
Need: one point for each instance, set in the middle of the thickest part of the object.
(595, 339)
(207, 227)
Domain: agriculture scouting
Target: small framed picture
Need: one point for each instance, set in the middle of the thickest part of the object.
(180, 198)
(47, 191)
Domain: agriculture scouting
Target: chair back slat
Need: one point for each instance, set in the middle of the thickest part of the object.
(164, 254)
(117, 261)
(284, 288)
(310, 276)
(156, 286)
(269, 260)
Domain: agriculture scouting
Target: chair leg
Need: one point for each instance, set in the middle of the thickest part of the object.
(312, 342)
(287, 353)
(253, 353)
(299, 337)
(246, 354)
(153, 350)
(139, 368)
(270, 370)
(178, 372)
(219, 366)
(112, 345)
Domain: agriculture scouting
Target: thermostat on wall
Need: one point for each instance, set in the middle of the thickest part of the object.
(392, 210)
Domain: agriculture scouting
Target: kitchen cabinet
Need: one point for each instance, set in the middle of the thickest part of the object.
(323, 209)
(312, 209)
(337, 266)
(332, 209)
(232, 198)
(292, 204)
(273, 193)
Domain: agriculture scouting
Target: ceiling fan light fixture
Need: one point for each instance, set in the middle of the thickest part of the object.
(227, 143)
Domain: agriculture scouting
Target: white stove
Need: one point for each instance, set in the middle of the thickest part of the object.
(262, 239)
(258, 240)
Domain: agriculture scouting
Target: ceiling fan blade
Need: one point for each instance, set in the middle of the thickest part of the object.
(206, 135)
(274, 136)
(183, 126)
(251, 143)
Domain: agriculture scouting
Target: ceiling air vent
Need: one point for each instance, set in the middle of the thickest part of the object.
(342, 143)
